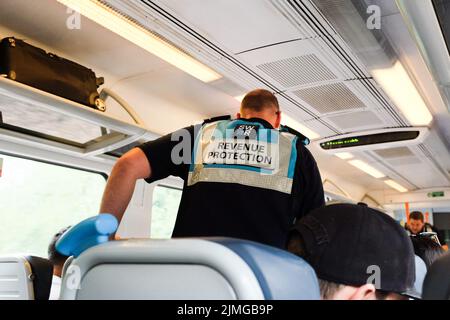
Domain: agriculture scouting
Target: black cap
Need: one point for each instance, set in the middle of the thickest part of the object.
(344, 241)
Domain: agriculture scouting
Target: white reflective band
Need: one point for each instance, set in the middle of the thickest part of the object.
(277, 182)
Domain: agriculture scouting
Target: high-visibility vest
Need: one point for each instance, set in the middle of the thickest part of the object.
(246, 153)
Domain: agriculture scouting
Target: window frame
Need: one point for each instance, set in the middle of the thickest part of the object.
(169, 183)
(103, 174)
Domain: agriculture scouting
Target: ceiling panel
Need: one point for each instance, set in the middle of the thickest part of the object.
(404, 161)
(235, 24)
(422, 176)
(351, 121)
(413, 164)
(297, 63)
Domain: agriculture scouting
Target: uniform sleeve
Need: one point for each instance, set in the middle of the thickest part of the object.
(310, 194)
(169, 155)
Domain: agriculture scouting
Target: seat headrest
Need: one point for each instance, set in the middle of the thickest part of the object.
(281, 274)
(32, 278)
(88, 233)
(250, 271)
(42, 274)
(437, 281)
(421, 271)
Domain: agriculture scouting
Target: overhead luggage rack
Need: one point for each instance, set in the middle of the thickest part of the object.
(33, 117)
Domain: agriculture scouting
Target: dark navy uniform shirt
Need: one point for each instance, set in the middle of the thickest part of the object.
(236, 210)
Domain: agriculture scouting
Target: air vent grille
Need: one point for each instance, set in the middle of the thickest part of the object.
(356, 119)
(399, 162)
(298, 71)
(394, 153)
(330, 98)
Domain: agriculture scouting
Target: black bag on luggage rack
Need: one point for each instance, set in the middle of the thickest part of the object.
(35, 67)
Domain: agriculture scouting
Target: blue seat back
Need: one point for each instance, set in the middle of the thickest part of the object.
(281, 274)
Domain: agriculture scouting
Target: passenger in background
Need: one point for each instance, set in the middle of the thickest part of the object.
(358, 253)
(417, 225)
(58, 261)
(427, 249)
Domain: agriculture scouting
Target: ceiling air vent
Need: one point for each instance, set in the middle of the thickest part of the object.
(297, 71)
(394, 153)
(330, 98)
(404, 161)
(400, 156)
(356, 119)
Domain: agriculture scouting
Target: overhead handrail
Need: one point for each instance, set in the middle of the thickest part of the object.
(105, 93)
(123, 133)
(373, 200)
(337, 187)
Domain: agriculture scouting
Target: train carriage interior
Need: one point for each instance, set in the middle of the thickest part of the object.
(366, 81)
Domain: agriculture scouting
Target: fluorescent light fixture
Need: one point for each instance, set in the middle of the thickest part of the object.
(294, 124)
(344, 155)
(141, 37)
(240, 98)
(395, 185)
(361, 165)
(397, 84)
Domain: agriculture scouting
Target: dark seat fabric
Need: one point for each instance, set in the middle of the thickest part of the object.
(42, 274)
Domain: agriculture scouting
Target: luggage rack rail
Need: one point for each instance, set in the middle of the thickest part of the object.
(113, 133)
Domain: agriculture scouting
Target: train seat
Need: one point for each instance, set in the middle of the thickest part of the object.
(188, 269)
(421, 271)
(25, 278)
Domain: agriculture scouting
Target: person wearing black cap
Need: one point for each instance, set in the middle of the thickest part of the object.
(357, 252)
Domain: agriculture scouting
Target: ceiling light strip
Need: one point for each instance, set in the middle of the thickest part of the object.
(108, 18)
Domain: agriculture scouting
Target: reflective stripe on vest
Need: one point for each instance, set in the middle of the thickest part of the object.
(246, 153)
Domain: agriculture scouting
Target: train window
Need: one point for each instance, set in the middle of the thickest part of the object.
(38, 199)
(164, 212)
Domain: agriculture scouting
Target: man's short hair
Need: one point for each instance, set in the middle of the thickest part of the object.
(54, 256)
(259, 99)
(416, 215)
(329, 289)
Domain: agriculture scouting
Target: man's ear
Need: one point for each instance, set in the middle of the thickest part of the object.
(365, 292)
(278, 120)
(238, 115)
(295, 244)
